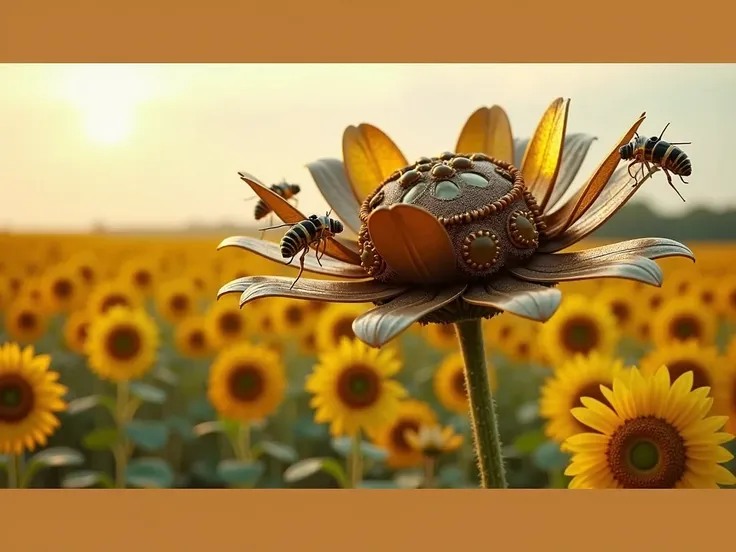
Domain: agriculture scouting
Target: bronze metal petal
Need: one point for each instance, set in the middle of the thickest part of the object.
(614, 196)
(488, 131)
(517, 297)
(573, 155)
(566, 267)
(381, 324)
(330, 177)
(413, 243)
(560, 219)
(520, 145)
(541, 163)
(272, 251)
(291, 215)
(370, 157)
(257, 287)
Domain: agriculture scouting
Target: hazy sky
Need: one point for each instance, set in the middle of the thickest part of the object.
(160, 145)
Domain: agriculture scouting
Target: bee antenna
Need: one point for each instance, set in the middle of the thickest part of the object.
(662, 134)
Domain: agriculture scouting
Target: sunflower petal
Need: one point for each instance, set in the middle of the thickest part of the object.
(561, 219)
(256, 287)
(370, 157)
(573, 154)
(723, 476)
(291, 215)
(413, 243)
(381, 324)
(523, 299)
(271, 251)
(330, 177)
(541, 163)
(565, 267)
(488, 131)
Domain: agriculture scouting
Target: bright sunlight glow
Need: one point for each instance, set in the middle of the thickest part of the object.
(106, 96)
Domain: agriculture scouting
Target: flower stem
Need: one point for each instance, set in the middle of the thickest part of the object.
(121, 419)
(356, 462)
(429, 468)
(243, 444)
(14, 471)
(482, 407)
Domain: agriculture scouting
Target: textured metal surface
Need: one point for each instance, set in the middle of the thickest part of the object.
(333, 183)
(517, 297)
(270, 250)
(381, 324)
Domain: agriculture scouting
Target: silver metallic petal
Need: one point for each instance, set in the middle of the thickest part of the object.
(616, 193)
(567, 267)
(330, 177)
(271, 251)
(520, 145)
(380, 325)
(517, 297)
(573, 154)
(257, 287)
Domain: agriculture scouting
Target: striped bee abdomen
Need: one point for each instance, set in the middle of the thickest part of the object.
(300, 236)
(261, 210)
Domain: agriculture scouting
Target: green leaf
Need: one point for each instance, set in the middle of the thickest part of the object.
(548, 457)
(527, 413)
(164, 374)
(83, 404)
(409, 479)
(310, 466)
(205, 428)
(201, 410)
(451, 476)
(237, 473)
(148, 434)
(372, 452)
(307, 429)
(50, 457)
(182, 427)
(528, 442)
(102, 438)
(4, 459)
(84, 479)
(279, 451)
(149, 473)
(147, 393)
(377, 484)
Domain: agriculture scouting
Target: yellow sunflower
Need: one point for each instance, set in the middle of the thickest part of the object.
(655, 435)
(140, 274)
(247, 382)
(726, 297)
(520, 345)
(412, 415)
(449, 383)
(122, 344)
(336, 322)
(29, 397)
(76, 328)
(86, 267)
(176, 299)
(724, 392)
(25, 320)
(580, 326)
(579, 377)
(683, 318)
(225, 323)
(441, 336)
(433, 440)
(352, 388)
(291, 317)
(6, 293)
(112, 293)
(62, 289)
(686, 356)
(622, 303)
(190, 338)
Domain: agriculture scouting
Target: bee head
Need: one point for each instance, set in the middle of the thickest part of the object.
(626, 151)
(337, 226)
(313, 217)
(295, 188)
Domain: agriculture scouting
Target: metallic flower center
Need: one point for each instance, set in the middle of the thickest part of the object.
(358, 386)
(196, 339)
(647, 453)
(580, 334)
(142, 278)
(230, 323)
(246, 383)
(621, 311)
(701, 378)
(592, 390)
(114, 300)
(27, 321)
(294, 315)
(124, 343)
(483, 249)
(685, 327)
(342, 327)
(398, 437)
(16, 398)
(62, 289)
(459, 384)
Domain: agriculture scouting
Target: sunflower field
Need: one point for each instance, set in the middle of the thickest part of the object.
(119, 368)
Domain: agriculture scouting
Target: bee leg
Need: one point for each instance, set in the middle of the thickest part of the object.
(669, 181)
(633, 176)
(290, 260)
(683, 180)
(270, 223)
(301, 267)
(320, 241)
(296, 201)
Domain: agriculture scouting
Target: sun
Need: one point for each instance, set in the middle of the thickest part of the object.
(106, 97)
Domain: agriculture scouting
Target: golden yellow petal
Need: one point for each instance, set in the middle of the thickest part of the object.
(488, 131)
(594, 420)
(723, 476)
(541, 162)
(413, 243)
(370, 157)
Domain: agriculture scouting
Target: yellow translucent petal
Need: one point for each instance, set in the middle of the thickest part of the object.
(488, 131)
(593, 420)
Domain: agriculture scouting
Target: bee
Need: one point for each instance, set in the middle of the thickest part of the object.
(664, 155)
(311, 232)
(283, 189)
